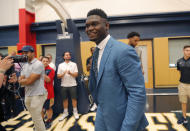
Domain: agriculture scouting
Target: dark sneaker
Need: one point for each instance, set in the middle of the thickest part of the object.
(2, 128)
(94, 107)
(182, 121)
(47, 125)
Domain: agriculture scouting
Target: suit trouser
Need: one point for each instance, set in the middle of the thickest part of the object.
(34, 105)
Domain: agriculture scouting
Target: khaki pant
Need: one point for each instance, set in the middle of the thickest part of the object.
(34, 105)
(184, 92)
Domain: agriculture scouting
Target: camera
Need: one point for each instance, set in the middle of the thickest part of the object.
(16, 59)
(19, 58)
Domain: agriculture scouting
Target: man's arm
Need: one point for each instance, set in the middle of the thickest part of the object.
(46, 78)
(30, 80)
(75, 71)
(51, 89)
(74, 74)
(88, 64)
(178, 66)
(88, 67)
(35, 75)
(59, 76)
(129, 68)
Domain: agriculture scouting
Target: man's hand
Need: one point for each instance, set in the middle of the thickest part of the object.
(23, 81)
(51, 102)
(69, 72)
(75, 74)
(6, 63)
(13, 78)
(30, 80)
(60, 76)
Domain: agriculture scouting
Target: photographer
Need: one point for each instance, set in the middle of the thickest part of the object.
(5, 64)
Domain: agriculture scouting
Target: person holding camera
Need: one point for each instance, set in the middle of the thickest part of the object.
(48, 81)
(32, 78)
(5, 64)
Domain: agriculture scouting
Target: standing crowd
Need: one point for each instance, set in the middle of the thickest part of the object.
(115, 84)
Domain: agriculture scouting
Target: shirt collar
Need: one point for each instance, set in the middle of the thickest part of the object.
(34, 60)
(103, 42)
(67, 63)
(186, 59)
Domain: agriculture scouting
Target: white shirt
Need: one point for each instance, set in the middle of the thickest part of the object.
(52, 65)
(68, 80)
(102, 46)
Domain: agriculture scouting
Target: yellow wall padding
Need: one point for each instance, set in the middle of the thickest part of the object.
(11, 49)
(85, 53)
(38, 50)
(164, 75)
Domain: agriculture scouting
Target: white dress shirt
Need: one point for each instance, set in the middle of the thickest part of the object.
(102, 46)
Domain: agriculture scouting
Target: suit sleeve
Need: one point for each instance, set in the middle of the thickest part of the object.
(129, 68)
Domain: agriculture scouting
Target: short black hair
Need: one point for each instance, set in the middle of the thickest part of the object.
(49, 55)
(66, 52)
(98, 12)
(45, 57)
(132, 34)
(186, 46)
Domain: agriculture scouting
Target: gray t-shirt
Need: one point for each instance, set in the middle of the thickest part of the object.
(37, 88)
(139, 53)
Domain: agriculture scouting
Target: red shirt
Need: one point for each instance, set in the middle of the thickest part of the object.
(49, 85)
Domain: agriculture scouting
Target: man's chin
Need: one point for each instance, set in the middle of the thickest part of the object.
(93, 39)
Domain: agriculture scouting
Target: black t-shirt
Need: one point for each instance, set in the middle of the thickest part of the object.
(184, 67)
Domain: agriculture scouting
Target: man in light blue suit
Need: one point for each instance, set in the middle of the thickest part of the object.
(116, 79)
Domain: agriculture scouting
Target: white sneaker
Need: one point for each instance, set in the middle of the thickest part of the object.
(93, 108)
(76, 115)
(65, 114)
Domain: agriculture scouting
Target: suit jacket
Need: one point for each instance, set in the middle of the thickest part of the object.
(119, 89)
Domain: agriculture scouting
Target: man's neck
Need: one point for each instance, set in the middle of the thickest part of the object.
(31, 59)
(98, 41)
(131, 45)
(67, 61)
(186, 57)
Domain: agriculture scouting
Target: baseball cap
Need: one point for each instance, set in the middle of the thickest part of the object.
(26, 49)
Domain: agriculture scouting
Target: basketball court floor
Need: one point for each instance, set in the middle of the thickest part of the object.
(162, 111)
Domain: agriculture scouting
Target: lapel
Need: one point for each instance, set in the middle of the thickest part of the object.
(104, 59)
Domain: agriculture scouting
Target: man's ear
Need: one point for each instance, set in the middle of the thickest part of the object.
(107, 26)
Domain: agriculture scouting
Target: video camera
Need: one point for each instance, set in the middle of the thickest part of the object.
(19, 58)
(16, 59)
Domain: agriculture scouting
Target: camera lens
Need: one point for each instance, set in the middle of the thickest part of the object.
(19, 58)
